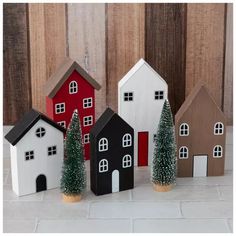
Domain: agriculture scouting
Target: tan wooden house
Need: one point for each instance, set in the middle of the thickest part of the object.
(200, 135)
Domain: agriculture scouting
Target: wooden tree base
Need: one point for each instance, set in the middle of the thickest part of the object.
(71, 198)
(162, 188)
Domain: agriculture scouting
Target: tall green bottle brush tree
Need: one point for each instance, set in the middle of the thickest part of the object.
(73, 181)
(164, 159)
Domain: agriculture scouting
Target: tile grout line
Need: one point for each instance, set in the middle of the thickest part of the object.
(36, 225)
(228, 225)
(219, 193)
(88, 209)
(131, 225)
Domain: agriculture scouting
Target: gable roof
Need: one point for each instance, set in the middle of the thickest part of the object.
(135, 69)
(104, 120)
(26, 123)
(188, 101)
(55, 82)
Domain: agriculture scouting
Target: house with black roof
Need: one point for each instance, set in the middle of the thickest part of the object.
(112, 152)
(36, 144)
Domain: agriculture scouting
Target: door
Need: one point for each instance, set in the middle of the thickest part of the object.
(41, 183)
(115, 181)
(199, 166)
(142, 148)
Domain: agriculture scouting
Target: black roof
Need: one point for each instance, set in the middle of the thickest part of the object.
(26, 123)
(103, 120)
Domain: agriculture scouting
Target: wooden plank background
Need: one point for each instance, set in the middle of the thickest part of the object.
(183, 42)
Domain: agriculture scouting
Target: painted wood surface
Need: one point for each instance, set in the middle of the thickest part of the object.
(16, 67)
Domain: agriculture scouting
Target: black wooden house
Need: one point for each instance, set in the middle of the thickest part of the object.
(112, 152)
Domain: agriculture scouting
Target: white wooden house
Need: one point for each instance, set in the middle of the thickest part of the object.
(36, 153)
(141, 95)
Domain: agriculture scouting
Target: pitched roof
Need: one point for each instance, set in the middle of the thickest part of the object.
(26, 123)
(55, 82)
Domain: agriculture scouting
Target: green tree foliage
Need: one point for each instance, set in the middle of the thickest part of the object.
(73, 179)
(164, 159)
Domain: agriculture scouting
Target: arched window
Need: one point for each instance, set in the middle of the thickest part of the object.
(218, 128)
(126, 161)
(103, 165)
(127, 140)
(103, 145)
(184, 129)
(73, 87)
(217, 151)
(183, 153)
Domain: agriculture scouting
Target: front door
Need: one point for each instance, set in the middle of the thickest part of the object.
(142, 148)
(41, 183)
(199, 166)
(115, 181)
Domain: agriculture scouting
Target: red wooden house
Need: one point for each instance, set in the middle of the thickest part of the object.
(69, 88)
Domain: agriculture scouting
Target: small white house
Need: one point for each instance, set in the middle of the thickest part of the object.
(36, 153)
(141, 95)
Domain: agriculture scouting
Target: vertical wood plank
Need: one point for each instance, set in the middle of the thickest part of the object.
(16, 79)
(86, 42)
(228, 69)
(47, 24)
(125, 44)
(205, 47)
(165, 47)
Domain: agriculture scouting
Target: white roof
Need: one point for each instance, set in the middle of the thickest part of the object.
(135, 69)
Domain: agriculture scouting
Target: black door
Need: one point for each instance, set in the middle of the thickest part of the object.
(41, 183)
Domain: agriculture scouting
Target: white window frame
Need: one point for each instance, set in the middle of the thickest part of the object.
(216, 150)
(183, 152)
(41, 131)
(128, 96)
(61, 108)
(86, 139)
(62, 123)
(127, 140)
(88, 120)
(52, 150)
(87, 102)
(126, 161)
(217, 129)
(103, 166)
(159, 95)
(103, 145)
(73, 87)
(184, 129)
(30, 155)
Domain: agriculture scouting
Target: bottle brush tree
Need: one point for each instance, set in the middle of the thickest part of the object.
(164, 159)
(73, 180)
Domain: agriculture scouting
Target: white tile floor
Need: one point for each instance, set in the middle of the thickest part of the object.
(194, 205)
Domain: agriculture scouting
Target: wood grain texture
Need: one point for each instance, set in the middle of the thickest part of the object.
(86, 41)
(165, 47)
(205, 47)
(16, 79)
(228, 69)
(47, 24)
(125, 44)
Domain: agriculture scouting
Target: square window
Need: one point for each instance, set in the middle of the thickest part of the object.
(87, 102)
(52, 150)
(128, 96)
(62, 123)
(159, 95)
(88, 120)
(59, 108)
(29, 155)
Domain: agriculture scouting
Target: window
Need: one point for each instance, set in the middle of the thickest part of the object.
(183, 153)
(103, 165)
(52, 150)
(29, 155)
(60, 108)
(126, 140)
(88, 120)
(62, 123)
(73, 87)
(86, 138)
(159, 95)
(218, 128)
(103, 145)
(128, 96)
(40, 132)
(154, 137)
(126, 161)
(184, 129)
(87, 102)
(217, 151)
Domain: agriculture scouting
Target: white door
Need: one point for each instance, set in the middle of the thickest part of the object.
(115, 181)
(200, 166)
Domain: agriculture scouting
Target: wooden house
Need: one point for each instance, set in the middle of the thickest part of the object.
(70, 88)
(141, 95)
(200, 135)
(112, 152)
(37, 153)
